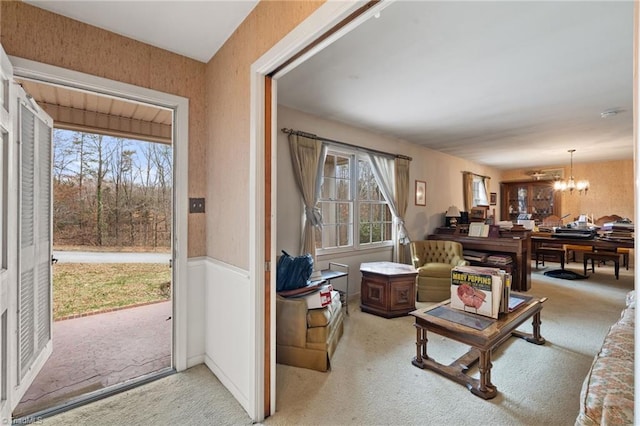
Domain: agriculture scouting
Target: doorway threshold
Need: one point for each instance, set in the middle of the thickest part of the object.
(90, 397)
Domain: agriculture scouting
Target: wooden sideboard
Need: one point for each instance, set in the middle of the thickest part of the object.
(517, 246)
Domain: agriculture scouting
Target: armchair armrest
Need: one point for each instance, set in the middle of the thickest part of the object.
(458, 261)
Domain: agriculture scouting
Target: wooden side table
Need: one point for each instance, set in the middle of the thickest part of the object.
(388, 289)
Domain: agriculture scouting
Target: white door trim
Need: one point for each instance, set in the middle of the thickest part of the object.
(323, 19)
(180, 105)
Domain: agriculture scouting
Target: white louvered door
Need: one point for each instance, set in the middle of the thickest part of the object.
(34, 238)
(8, 235)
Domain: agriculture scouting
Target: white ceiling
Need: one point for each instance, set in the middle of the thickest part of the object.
(507, 84)
(195, 29)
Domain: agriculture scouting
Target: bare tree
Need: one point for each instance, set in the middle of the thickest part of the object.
(111, 191)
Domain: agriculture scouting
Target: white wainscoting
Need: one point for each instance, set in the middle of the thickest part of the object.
(197, 273)
(227, 333)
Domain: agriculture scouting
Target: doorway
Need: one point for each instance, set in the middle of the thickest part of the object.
(174, 316)
(111, 267)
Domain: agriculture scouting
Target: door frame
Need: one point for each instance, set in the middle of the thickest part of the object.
(60, 76)
(305, 40)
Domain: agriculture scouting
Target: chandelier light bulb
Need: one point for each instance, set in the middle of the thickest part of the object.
(582, 185)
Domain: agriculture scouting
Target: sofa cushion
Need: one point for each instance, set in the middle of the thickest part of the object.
(619, 343)
(607, 395)
(436, 270)
(609, 377)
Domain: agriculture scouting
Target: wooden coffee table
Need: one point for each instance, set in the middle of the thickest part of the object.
(448, 322)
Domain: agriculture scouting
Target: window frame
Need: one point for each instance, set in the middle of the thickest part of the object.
(355, 156)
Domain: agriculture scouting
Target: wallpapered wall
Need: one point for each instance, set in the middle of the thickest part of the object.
(228, 121)
(42, 36)
(611, 189)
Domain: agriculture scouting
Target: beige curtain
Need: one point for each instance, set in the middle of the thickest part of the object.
(467, 190)
(391, 180)
(307, 157)
(487, 186)
(402, 200)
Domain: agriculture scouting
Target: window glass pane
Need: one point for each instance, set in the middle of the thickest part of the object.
(376, 233)
(342, 168)
(342, 190)
(344, 235)
(387, 231)
(325, 209)
(365, 233)
(480, 197)
(376, 194)
(365, 212)
(376, 212)
(329, 236)
(329, 166)
(344, 212)
(328, 184)
(387, 217)
(362, 190)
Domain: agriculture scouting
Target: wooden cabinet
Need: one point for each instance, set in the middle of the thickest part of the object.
(535, 197)
(388, 289)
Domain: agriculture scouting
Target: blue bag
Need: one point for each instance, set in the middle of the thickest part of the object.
(293, 272)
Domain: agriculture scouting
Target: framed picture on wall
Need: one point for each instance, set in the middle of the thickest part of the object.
(493, 198)
(421, 193)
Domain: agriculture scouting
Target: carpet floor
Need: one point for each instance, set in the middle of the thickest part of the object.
(373, 382)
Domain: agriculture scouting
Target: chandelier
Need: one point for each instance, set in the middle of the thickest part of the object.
(582, 186)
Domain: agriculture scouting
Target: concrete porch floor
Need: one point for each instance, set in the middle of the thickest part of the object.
(97, 351)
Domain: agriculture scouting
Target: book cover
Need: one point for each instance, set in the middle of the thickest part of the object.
(477, 290)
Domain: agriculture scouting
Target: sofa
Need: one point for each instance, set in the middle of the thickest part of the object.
(606, 397)
(306, 337)
(434, 260)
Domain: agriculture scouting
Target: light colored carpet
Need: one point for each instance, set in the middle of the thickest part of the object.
(372, 380)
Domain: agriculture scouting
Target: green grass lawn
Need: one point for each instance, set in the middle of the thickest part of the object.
(81, 287)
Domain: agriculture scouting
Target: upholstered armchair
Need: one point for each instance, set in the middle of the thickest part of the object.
(434, 260)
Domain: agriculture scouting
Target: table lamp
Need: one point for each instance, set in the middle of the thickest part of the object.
(452, 216)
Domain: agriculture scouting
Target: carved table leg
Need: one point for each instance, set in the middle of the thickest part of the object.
(421, 346)
(485, 389)
(537, 337)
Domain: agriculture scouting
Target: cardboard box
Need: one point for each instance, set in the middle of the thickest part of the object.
(320, 298)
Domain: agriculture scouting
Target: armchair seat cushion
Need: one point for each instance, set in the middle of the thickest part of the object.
(436, 270)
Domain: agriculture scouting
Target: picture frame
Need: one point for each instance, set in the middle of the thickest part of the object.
(478, 213)
(493, 198)
(421, 193)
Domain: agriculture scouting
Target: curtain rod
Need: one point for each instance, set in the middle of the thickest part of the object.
(475, 174)
(359, 148)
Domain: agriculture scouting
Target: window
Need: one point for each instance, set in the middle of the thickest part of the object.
(480, 196)
(355, 214)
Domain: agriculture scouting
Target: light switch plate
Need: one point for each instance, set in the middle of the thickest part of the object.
(196, 205)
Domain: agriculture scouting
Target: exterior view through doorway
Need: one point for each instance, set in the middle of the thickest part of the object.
(112, 257)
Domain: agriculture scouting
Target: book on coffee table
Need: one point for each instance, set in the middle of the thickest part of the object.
(477, 290)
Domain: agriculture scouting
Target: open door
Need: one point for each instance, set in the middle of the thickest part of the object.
(34, 293)
(7, 232)
(25, 248)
